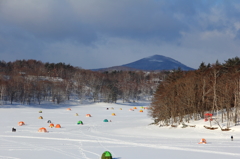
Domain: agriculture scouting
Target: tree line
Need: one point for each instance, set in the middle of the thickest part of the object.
(32, 81)
(187, 95)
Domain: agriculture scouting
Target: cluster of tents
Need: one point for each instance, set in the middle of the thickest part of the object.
(56, 126)
(131, 109)
(51, 125)
(141, 109)
(105, 155)
(42, 129)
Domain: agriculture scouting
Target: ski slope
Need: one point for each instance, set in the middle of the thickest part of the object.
(128, 136)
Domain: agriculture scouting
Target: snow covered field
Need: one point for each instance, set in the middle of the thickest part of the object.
(128, 136)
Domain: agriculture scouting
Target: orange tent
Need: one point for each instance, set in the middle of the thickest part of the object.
(135, 108)
(202, 141)
(88, 115)
(145, 107)
(141, 110)
(42, 129)
(58, 126)
(21, 123)
(68, 109)
(51, 125)
(113, 114)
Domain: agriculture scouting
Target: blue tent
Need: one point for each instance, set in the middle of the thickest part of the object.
(105, 120)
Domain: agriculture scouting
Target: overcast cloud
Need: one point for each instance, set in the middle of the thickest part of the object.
(104, 33)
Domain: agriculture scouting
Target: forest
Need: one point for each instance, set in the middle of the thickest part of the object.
(212, 88)
(33, 82)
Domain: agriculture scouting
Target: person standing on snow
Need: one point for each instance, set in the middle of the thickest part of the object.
(232, 138)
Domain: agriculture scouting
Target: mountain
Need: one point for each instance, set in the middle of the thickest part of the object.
(157, 62)
(152, 63)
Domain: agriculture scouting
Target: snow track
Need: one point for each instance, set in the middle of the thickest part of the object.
(110, 141)
(35, 146)
(8, 157)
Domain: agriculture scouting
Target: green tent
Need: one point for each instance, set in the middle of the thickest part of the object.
(80, 122)
(105, 120)
(40, 111)
(106, 155)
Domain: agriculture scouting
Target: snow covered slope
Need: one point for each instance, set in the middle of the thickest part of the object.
(128, 136)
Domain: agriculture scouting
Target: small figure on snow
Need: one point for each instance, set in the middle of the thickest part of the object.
(13, 129)
(232, 138)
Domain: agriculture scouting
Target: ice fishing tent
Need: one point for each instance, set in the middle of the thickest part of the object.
(113, 114)
(76, 114)
(49, 121)
(145, 107)
(42, 129)
(58, 126)
(68, 109)
(141, 110)
(106, 155)
(40, 111)
(120, 108)
(88, 115)
(202, 141)
(80, 122)
(51, 125)
(20, 123)
(105, 120)
(131, 110)
(208, 116)
(134, 107)
(40, 117)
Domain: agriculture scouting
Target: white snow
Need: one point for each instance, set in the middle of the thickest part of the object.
(156, 60)
(128, 136)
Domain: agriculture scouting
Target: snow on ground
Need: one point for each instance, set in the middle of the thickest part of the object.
(128, 136)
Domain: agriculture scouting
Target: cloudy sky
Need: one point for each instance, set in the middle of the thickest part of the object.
(104, 33)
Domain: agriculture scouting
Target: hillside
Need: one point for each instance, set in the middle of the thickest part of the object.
(158, 62)
(31, 81)
(152, 63)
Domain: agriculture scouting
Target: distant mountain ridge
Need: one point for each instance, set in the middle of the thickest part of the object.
(152, 63)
